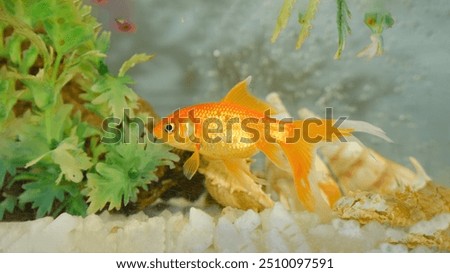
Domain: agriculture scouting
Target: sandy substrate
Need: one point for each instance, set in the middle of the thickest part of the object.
(232, 230)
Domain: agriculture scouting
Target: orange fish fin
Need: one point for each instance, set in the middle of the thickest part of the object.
(299, 155)
(331, 192)
(239, 94)
(316, 130)
(190, 167)
(365, 127)
(274, 152)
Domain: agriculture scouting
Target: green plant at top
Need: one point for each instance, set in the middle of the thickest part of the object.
(377, 21)
(54, 91)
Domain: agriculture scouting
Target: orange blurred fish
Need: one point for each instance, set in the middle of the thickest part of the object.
(100, 2)
(240, 125)
(124, 25)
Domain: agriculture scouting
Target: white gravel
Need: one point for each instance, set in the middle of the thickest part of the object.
(232, 230)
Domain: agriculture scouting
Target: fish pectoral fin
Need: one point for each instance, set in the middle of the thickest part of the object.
(275, 154)
(239, 168)
(240, 95)
(191, 165)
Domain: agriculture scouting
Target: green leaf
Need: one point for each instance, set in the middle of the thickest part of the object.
(76, 205)
(10, 5)
(3, 170)
(29, 58)
(115, 93)
(108, 185)
(43, 8)
(65, 28)
(42, 192)
(306, 22)
(127, 168)
(283, 18)
(388, 20)
(8, 98)
(102, 41)
(22, 29)
(57, 119)
(22, 140)
(42, 91)
(13, 46)
(75, 202)
(135, 59)
(7, 205)
(376, 21)
(343, 13)
(71, 159)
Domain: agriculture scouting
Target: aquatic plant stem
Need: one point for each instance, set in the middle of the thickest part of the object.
(56, 68)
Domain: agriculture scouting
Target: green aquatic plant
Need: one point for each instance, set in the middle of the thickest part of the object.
(305, 22)
(55, 91)
(127, 168)
(343, 13)
(376, 21)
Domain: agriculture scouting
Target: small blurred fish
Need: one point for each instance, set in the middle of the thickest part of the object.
(100, 2)
(124, 25)
(240, 125)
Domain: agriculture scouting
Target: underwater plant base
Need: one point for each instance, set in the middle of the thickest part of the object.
(218, 230)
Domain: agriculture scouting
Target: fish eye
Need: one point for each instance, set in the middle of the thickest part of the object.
(169, 128)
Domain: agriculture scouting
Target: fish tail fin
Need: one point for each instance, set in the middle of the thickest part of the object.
(330, 191)
(299, 154)
(365, 127)
(298, 146)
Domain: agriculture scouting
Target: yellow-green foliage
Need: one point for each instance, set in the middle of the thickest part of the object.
(378, 21)
(305, 21)
(283, 18)
(52, 159)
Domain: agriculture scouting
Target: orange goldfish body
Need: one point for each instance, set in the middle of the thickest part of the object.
(240, 125)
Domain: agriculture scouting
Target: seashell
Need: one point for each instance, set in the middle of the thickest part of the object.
(356, 167)
(359, 168)
(237, 188)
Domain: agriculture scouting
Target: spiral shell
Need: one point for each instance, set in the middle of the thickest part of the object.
(356, 167)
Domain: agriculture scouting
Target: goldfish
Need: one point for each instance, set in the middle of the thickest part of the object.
(241, 125)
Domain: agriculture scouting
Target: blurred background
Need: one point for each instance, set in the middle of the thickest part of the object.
(204, 47)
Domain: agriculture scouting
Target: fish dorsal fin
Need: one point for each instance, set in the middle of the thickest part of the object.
(239, 94)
